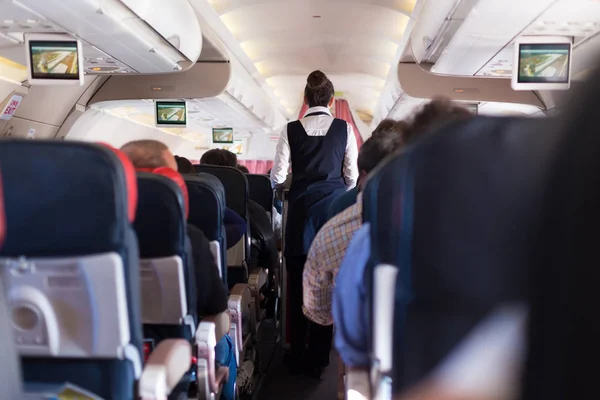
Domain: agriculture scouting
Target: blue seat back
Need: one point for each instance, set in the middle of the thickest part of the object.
(261, 191)
(455, 213)
(236, 197)
(69, 209)
(564, 324)
(160, 225)
(207, 210)
(10, 369)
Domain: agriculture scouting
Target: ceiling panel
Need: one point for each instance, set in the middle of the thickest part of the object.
(287, 39)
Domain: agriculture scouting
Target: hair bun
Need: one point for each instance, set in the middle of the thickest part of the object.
(316, 80)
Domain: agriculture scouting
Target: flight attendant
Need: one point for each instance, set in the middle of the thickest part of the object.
(322, 152)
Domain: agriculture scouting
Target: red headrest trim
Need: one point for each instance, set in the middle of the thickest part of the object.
(175, 177)
(130, 180)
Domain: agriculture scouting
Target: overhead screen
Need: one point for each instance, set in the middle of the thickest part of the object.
(171, 114)
(54, 59)
(542, 63)
(222, 135)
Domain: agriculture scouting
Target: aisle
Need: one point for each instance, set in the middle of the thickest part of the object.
(279, 384)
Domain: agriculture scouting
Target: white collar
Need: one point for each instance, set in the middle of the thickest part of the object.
(316, 110)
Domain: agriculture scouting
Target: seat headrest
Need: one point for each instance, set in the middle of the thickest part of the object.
(65, 198)
(175, 177)
(207, 204)
(235, 183)
(462, 172)
(160, 222)
(261, 190)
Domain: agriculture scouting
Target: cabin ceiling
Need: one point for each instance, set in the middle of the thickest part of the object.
(356, 43)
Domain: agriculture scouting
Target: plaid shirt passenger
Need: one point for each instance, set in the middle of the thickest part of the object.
(323, 262)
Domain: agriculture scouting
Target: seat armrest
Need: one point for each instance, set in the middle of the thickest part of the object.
(222, 321)
(239, 300)
(206, 342)
(257, 278)
(358, 381)
(164, 368)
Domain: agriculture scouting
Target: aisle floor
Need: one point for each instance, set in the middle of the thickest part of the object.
(279, 384)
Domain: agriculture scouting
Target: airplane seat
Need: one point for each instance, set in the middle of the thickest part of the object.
(71, 265)
(452, 219)
(261, 191)
(207, 209)
(236, 197)
(238, 259)
(71, 271)
(167, 276)
(10, 369)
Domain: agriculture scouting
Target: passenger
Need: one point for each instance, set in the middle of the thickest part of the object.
(212, 295)
(349, 198)
(261, 231)
(329, 247)
(243, 169)
(184, 166)
(235, 226)
(322, 152)
(350, 312)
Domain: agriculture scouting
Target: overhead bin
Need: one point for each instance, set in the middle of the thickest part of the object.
(201, 81)
(416, 81)
(133, 36)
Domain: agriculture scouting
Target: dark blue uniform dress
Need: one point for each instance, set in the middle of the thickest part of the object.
(317, 179)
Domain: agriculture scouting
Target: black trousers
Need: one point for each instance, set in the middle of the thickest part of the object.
(320, 337)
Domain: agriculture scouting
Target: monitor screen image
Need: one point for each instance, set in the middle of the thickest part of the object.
(544, 62)
(54, 60)
(171, 113)
(222, 135)
(237, 147)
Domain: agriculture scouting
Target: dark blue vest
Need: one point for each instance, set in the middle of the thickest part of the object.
(317, 159)
(317, 178)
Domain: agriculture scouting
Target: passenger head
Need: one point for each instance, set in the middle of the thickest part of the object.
(243, 169)
(319, 90)
(184, 166)
(386, 139)
(155, 157)
(221, 157)
(149, 154)
(434, 114)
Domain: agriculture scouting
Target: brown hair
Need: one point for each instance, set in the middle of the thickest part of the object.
(319, 89)
(437, 112)
(386, 139)
(221, 157)
(184, 166)
(147, 153)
